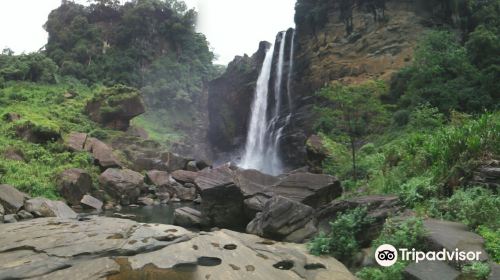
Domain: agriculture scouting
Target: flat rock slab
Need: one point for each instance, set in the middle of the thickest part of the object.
(101, 247)
(230, 255)
(430, 270)
(452, 235)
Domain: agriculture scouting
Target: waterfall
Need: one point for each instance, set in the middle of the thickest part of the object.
(266, 124)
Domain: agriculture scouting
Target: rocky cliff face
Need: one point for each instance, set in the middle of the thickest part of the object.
(352, 41)
(344, 40)
(230, 99)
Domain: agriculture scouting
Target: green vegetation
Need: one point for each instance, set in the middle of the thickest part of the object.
(445, 124)
(147, 44)
(341, 241)
(477, 270)
(357, 112)
(34, 67)
(492, 242)
(47, 109)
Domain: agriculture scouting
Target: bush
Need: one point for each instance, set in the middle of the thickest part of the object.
(477, 270)
(341, 241)
(474, 207)
(394, 272)
(401, 117)
(402, 234)
(417, 189)
(425, 117)
(492, 241)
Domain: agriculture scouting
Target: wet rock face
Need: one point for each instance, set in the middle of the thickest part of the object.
(56, 247)
(230, 99)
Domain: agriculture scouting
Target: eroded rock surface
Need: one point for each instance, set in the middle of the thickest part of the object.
(99, 247)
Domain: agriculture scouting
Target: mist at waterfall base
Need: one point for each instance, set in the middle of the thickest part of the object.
(270, 113)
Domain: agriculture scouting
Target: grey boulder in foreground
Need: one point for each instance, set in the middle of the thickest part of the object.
(100, 248)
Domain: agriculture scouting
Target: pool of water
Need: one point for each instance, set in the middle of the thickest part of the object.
(157, 214)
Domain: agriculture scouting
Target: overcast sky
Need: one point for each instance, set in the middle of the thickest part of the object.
(233, 27)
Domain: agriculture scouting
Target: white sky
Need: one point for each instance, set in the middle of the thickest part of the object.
(233, 27)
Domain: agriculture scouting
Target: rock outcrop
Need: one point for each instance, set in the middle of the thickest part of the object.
(115, 107)
(249, 190)
(115, 249)
(314, 190)
(222, 200)
(284, 219)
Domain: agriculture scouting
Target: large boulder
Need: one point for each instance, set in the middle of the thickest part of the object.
(158, 178)
(114, 107)
(73, 184)
(311, 189)
(378, 207)
(92, 202)
(252, 182)
(124, 185)
(102, 153)
(174, 161)
(75, 141)
(284, 219)
(34, 205)
(187, 217)
(184, 176)
(222, 200)
(57, 209)
(448, 235)
(44, 207)
(186, 192)
(11, 199)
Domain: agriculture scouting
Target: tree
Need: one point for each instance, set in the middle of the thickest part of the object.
(354, 112)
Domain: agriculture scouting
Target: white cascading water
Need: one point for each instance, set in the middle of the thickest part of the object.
(262, 144)
(255, 147)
